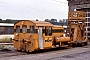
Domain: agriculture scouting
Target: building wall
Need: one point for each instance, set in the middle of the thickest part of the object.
(78, 4)
(81, 5)
(6, 30)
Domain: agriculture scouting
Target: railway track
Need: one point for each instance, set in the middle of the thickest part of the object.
(9, 53)
(6, 43)
(9, 50)
(67, 54)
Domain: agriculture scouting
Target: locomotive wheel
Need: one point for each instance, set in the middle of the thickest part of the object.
(74, 44)
(19, 50)
(79, 44)
(85, 43)
(70, 46)
(27, 51)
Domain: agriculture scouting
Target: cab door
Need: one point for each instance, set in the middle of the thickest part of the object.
(48, 37)
(40, 38)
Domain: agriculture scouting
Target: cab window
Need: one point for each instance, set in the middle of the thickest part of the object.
(17, 29)
(31, 29)
(24, 29)
(48, 31)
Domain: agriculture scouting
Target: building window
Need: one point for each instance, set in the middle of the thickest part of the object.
(17, 29)
(88, 9)
(88, 29)
(6, 30)
(88, 24)
(88, 14)
(24, 29)
(89, 34)
(9, 30)
(88, 19)
(2, 30)
(85, 10)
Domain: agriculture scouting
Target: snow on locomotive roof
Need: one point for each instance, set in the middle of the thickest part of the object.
(60, 26)
(57, 26)
(65, 26)
(6, 24)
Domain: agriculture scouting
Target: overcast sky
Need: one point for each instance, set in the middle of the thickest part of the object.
(33, 9)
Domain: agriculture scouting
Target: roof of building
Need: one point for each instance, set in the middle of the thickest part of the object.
(6, 24)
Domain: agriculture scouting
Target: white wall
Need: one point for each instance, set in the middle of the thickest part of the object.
(6, 36)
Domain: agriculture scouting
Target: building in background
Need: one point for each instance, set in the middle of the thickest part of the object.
(81, 5)
(6, 30)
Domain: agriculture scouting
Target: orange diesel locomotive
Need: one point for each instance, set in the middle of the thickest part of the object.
(35, 35)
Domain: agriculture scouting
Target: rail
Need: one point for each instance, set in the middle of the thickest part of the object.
(6, 43)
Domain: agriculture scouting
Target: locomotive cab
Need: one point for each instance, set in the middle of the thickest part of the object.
(32, 35)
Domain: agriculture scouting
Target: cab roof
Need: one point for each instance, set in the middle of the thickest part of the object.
(38, 23)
